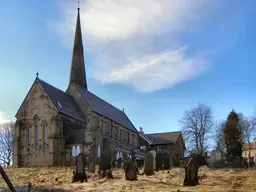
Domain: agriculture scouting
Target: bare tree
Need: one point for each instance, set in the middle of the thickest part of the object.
(197, 125)
(6, 141)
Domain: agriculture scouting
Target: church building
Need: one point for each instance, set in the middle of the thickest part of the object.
(54, 126)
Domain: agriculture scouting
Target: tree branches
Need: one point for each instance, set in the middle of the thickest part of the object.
(6, 143)
(197, 125)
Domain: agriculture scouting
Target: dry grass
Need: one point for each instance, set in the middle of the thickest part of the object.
(215, 181)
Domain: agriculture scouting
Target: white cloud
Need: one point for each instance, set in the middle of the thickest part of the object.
(161, 69)
(139, 43)
(2, 118)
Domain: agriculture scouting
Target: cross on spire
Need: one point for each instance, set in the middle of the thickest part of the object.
(78, 8)
(37, 74)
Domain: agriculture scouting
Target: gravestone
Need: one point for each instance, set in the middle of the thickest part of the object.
(191, 170)
(153, 152)
(105, 165)
(79, 174)
(105, 161)
(148, 165)
(238, 163)
(162, 161)
(130, 170)
(216, 160)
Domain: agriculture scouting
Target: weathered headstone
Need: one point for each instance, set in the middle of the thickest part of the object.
(105, 161)
(79, 174)
(191, 170)
(130, 170)
(105, 165)
(153, 152)
(238, 163)
(216, 160)
(148, 164)
(162, 161)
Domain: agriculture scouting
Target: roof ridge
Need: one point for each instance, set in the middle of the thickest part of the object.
(163, 132)
(99, 98)
(54, 87)
(130, 121)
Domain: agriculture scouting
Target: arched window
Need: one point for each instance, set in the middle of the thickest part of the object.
(44, 125)
(36, 121)
(29, 135)
(98, 150)
(73, 151)
(77, 150)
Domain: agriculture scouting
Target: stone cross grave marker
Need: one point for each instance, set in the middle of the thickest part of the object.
(191, 170)
(148, 164)
(79, 174)
(130, 170)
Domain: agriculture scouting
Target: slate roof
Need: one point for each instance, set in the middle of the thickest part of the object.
(107, 110)
(157, 141)
(171, 136)
(67, 104)
(73, 133)
(162, 138)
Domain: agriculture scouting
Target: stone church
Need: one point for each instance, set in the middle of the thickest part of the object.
(54, 126)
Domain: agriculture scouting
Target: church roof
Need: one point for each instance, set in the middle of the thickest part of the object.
(157, 141)
(162, 138)
(64, 102)
(107, 110)
(170, 136)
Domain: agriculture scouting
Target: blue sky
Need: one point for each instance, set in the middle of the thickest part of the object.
(153, 58)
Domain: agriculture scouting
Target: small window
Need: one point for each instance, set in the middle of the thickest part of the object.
(59, 104)
(36, 127)
(44, 136)
(78, 150)
(74, 151)
(29, 137)
(44, 125)
(98, 150)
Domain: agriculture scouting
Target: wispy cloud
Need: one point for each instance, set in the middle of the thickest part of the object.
(139, 43)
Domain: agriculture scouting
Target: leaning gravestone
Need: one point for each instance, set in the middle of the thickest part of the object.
(105, 165)
(148, 164)
(191, 170)
(79, 174)
(130, 170)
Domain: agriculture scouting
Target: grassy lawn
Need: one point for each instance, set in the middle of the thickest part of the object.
(172, 180)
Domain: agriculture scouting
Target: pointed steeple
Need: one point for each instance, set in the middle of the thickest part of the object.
(77, 70)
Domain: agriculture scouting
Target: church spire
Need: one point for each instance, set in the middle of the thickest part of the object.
(77, 70)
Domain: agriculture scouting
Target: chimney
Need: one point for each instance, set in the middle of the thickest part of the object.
(141, 130)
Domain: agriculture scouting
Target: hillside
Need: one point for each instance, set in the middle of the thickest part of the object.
(215, 181)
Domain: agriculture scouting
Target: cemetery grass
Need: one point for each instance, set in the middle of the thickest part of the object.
(60, 178)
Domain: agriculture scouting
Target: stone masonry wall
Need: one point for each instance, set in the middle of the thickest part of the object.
(37, 104)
